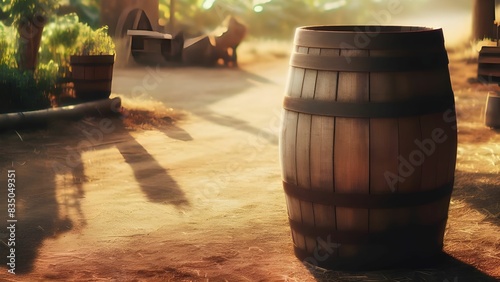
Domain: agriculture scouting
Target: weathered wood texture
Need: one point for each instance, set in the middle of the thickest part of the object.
(326, 155)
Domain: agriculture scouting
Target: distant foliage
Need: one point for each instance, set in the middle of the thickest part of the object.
(278, 18)
(88, 11)
(23, 10)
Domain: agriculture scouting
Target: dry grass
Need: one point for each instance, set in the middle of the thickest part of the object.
(148, 114)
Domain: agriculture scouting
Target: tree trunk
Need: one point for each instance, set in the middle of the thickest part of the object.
(483, 18)
(30, 35)
(171, 21)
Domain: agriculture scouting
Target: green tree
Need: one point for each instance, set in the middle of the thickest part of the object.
(29, 17)
(87, 10)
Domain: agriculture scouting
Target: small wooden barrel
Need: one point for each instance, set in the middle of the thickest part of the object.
(368, 145)
(92, 76)
(488, 69)
(492, 113)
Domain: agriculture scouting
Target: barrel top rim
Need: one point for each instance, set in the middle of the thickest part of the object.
(369, 37)
(349, 29)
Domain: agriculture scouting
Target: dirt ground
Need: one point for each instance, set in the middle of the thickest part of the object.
(187, 187)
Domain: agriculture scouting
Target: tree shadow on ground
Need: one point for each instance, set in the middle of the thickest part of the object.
(448, 269)
(42, 211)
(240, 125)
(50, 178)
(180, 90)
(178, 133)
(154, 180)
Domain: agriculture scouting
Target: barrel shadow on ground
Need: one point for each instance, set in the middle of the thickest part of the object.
(449, 269)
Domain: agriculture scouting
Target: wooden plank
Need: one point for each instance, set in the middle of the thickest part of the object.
(323, 129)
(292, 120)
(383, 161)
(288, 150)
(303, 151)
(429, 213)
(451, 130)
(445, 136)
(427, 148)
(351, 153)
(384, 149)
(442, 135)
(149, 34)
(410, 176)
(322, 136)
(384, 136)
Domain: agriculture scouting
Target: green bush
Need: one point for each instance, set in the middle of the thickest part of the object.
(62, 37)
(20, 91)
(95, 42)
(8, 50)
(46, 77)
(66, 36)
(59, 41)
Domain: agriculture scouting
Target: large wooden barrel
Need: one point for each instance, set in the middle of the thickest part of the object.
(368, 145)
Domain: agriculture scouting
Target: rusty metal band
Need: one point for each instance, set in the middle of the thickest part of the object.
(392, 236)
(415, 107)
(370, 64)
(368, 201)
(368, 38)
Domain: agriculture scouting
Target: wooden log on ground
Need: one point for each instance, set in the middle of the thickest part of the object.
(105, 107)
